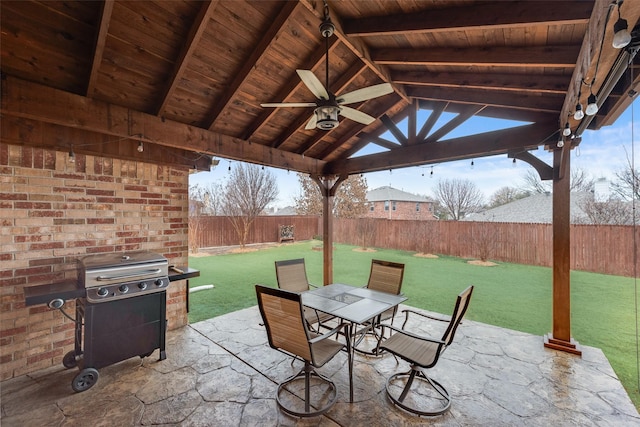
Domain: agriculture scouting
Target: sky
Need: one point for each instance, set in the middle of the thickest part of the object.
(601, 154)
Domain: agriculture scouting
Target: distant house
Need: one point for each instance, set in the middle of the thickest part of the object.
(533, 209)
(391, 203)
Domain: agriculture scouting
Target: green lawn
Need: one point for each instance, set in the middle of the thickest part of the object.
(512, 296)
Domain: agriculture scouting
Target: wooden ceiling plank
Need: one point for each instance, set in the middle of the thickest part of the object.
(249, 63)
(503, 81)
(436, 112)
(453, 123)
(292, 85)
(513, 14)
(38, 102)
(98, 51)
(525, 137)
(191, 43)
(496, 56)
(549, 103)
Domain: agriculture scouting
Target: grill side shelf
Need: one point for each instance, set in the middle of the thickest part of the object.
(43, 294)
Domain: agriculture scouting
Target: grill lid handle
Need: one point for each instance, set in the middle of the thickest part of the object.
(129, 275)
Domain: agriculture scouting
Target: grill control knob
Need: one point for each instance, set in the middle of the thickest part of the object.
(159, 282)
(103, 292)
(142, 286)
(123, 288)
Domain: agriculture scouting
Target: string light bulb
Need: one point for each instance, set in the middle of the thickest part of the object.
(621, 36)
(514, 162)
(140, 147)
(72, 156)
(472, 163)
(592, 105)
(560, 143)
(566, 131)
(579, 114)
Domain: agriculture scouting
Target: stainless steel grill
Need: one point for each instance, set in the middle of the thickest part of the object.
(108, 277)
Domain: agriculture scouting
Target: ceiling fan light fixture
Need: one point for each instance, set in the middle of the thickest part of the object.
(327, 117)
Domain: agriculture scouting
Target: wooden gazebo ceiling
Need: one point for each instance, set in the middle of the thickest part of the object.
(187, 78)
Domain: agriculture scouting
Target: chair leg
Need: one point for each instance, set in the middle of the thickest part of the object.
(417, 373)
(305, 374)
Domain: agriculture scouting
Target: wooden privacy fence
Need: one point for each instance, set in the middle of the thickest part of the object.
(607, 249)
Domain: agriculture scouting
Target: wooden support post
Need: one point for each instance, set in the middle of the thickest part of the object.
(560, 338)
(328, 187)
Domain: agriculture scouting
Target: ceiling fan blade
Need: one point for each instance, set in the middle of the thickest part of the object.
(289, 104)
(356, 115)
(315, 86)
(311, 124)
(365, 93)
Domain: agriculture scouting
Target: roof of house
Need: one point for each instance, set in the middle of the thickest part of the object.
(390, 193)
(532, 209)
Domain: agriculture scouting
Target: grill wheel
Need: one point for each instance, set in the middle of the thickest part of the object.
(85, 379)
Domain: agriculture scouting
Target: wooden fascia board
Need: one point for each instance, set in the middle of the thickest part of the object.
(487, 144)
(514, 14)
(34, 101)
(496, 56)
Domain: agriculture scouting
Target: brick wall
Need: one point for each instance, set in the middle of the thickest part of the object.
(52, 212)
(404, 210)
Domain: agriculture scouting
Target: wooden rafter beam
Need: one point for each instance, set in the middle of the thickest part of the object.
(191, 43)
(251, 62)
(504, 82)
(599, 33)
(395, 131)
(436, 112)
(486, 144)
(496, 56)
(98, 50)
(452, 124)
(513, 14)
(354, 44)
(33, 101)
(378, 140)
(550, 103)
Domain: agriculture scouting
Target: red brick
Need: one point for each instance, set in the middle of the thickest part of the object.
(151, 195)
(135, 187)
(43, 356)
(32, 205)
(101, 249)
(135, 201)
(100, 221)
(13, 196)
(13, 331)
(46, 245)
(32, 270)
(80, 243)
(94, 192)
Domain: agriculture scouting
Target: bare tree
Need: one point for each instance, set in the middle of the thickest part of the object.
(213, 198)
(248, 192)
(612, 211)
(197, 196)
(627, 183)
(506, 195)
(580, 181)
(458, 197)
(350, 199)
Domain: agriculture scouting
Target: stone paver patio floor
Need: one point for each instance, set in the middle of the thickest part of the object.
(221, 372)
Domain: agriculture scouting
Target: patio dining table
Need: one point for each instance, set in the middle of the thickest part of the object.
(352, 304)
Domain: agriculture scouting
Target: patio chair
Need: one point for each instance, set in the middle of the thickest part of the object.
(292, 276)
(422, 353)
(385, 276)
(282, 313)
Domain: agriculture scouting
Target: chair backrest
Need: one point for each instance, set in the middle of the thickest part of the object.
(462, 302)
(292, 275)
(386, 276)
(284, 320)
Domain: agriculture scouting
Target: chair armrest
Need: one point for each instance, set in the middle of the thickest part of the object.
(412, 335)
(330, 333)
(426, 316)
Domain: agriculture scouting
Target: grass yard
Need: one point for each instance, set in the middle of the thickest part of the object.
(512, 296)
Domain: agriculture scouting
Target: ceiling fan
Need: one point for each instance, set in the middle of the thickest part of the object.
(329, 106)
